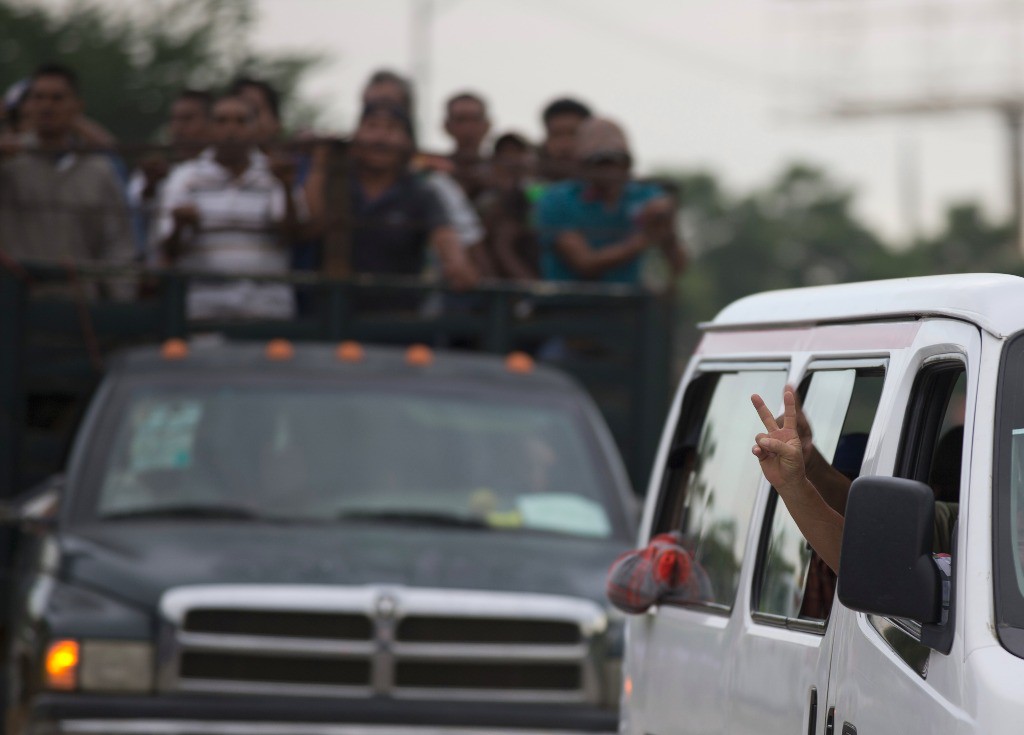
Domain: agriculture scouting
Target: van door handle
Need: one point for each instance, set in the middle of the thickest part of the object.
(830, 721)
(812, 716)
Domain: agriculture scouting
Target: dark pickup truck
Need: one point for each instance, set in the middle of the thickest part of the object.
(322, 539)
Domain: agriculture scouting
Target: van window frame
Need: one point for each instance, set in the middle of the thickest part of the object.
(692, 416)
(1008, 598)
(936, 377)
(806, 625)
(818, 627)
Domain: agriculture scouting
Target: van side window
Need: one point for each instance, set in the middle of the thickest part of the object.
(791, 582)
(711, 479)
(931, 451)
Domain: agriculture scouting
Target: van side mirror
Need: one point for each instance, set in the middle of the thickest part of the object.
(885, 565)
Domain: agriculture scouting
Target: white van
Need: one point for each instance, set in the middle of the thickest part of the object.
(921, 379)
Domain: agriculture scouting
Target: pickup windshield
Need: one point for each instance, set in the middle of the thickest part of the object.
(362, 454)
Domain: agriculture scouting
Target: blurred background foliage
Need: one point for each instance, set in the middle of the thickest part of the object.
(801, 230)
(131, 66)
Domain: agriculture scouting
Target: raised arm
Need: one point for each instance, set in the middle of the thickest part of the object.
(780, 453)
(832, 484)
(659, 224)
(292, 213)
(179, 217)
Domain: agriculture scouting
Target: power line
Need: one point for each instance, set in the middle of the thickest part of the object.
(659, 46)
(936, 94)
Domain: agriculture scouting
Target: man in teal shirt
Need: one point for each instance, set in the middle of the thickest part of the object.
(598, 228)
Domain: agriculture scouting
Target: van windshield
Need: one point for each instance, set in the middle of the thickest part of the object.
(361, 454)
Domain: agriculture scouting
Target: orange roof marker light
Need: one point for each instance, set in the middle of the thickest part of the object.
(280, 349)
(350, 351)
(419, 355)
(174, 349)
(62, 658)
(519, 362)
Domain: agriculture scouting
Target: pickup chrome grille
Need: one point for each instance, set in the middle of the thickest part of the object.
(279, 624)
(241, 667)
(465, 675)
(381, 641)
(438, 629)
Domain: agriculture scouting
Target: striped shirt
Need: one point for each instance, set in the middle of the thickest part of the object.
(238, 234)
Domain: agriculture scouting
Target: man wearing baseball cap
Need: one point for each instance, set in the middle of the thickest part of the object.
(600, 226)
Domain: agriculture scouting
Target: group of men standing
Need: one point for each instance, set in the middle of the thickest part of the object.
(229, 198)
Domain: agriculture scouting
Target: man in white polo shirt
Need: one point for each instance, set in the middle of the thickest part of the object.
(227, 213)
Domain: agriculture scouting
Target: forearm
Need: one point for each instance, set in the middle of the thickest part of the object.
(447, 248)
(506, 255)
(481, 261)
(290, 226)
(173, 245)
(314, 192)
(456, 265)
(832, 485)
(675, 254)
(820, 524)
(94, 134)
(591, 263)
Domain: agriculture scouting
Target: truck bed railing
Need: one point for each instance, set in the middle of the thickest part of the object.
(56, 330)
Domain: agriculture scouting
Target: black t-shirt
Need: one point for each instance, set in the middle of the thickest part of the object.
(390, 234)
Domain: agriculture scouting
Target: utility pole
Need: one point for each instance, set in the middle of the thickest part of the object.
(910, 190)
(1014, 114)
(939, 92)
(1012, 111)
(424, 15)
(421, 34)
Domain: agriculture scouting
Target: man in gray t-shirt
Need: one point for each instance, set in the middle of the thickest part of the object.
(58, 205)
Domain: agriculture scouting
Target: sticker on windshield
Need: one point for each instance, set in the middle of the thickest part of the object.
(164, 434)
(563, 513)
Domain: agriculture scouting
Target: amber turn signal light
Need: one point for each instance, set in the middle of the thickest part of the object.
(519, 362)
(350, 351)
(280, 349)
(62, 659)
(419, 355)
(174, 349)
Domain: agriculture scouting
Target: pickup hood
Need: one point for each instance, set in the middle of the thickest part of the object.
(137, 561)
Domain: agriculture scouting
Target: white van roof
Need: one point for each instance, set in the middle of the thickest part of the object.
(993, 301)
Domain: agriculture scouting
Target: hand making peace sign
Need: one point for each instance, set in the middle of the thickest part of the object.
(780, 451)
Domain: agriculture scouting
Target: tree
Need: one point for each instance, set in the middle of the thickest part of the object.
(132, 65)
(970, 242)
(800, 230)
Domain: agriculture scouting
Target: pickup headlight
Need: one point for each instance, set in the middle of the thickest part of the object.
(99, 666)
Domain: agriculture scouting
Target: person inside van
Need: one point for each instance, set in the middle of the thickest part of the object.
(815, 492)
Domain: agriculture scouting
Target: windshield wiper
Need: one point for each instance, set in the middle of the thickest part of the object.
(415, 518)
(191, 511)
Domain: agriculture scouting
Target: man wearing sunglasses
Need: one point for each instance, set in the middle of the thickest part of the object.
(600, 226)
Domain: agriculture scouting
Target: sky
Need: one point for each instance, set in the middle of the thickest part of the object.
(737, 87)
(740, 88)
